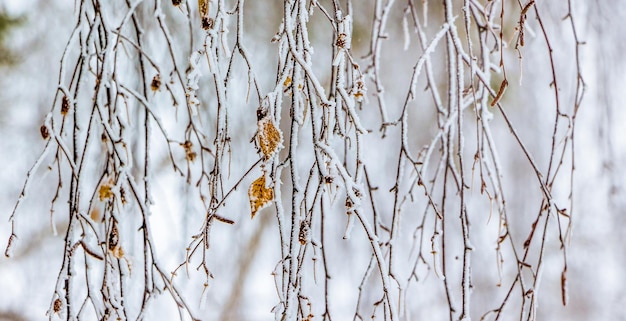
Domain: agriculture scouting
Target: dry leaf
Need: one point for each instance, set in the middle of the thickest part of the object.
(123, 196)
(203, 7)
(303, 236)
(497, 98)
(58, 304)
(260, 196)
(156, 82)
(359, 91)
(65, 105)
(190, 155)
(207, 23)
(105, 192)
(114, 242)
(117, 252)
(45, 133)
(269, 137)
(341, 40)
(114, 236)
(96, 215)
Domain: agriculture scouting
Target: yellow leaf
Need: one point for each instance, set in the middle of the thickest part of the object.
(287, 82)
(105, 192)
(269, 137)
(203, 7)
(260, 196)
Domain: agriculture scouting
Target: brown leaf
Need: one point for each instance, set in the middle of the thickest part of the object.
(269, 137)
(203, 7)
(45, 133)
(156, 82)
(114, 237)
(117, 252)
(65, 105)
(189, 153)
(260, 196)
(114, 242)
(58, 304)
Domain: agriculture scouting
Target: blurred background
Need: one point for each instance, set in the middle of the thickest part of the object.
(34, 33)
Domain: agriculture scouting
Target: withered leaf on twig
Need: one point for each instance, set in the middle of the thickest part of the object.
(106, 191)
(260, 196)
(156, 82)
(190, 155)
(57, 305)
(203, 7)
(45, 133)
(269, 137)
(114, 242)
(65, 105)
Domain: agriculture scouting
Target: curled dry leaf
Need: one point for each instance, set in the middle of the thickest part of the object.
(304, 235)
(359, 90)
(45, 133)
(497, 98)
(114, 236)
(190, 155)
(114, 242)
(57, 305)
(270, 138)
(260, 196)
(203, 7)
(123, 196)
(156, 82)
(65, 105)
(341, 40)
